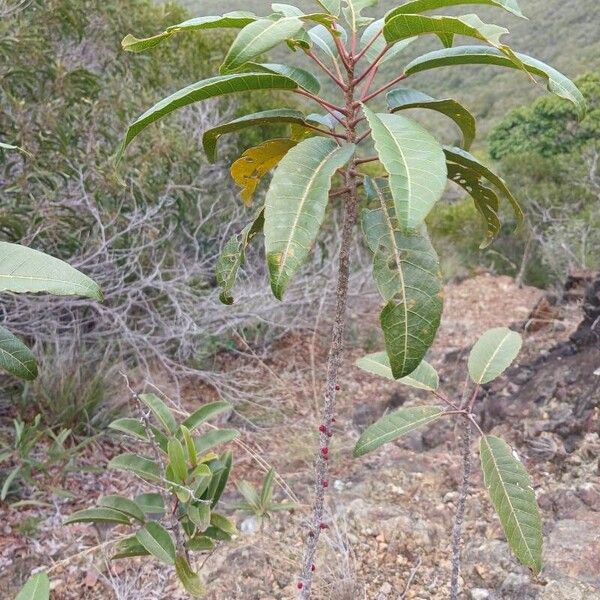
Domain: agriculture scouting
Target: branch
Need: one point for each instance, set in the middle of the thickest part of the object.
(373, 66)
(384, 88)
(366, 48)
(362, 161)
(326, 69)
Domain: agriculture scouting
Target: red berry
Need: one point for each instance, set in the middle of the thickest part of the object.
(300, 585)
(337, 387)
(313, 568)
(325, 483)
(333, 420)
(329, 433)
(322, 428)
(324, 526)
(325, 451)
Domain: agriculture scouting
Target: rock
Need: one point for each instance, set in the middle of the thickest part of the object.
(249, 525)
(572, 549)
(569, 589)
(480, 594)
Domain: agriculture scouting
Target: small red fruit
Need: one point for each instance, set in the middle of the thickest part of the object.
(337, 387)
(329, 433)
(325, 451)
(313, 568)
(324, 526)
(322, 428)
(333, 420)
(325, 483)
(300, 585)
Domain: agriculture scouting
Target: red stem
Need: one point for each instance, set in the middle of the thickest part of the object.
(326, 69)
(385, 87)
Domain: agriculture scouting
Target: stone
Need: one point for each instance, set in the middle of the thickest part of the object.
(569, 589)
(480, 594)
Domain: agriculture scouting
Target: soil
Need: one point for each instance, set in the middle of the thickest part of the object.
(390, 513)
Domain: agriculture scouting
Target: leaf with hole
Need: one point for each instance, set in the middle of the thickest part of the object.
(512, 495)
(258, 37)
(424, 377)
(233, 256)
(415, 163)
(295, 205)
(37, 587)
(25, 270)
(493, 353)
(407, 273)
(231, 20)
(158, 541)
(15, 357)
(255, 163)
(395, 425)
(406, 98)
(472, 170)
(483, 55)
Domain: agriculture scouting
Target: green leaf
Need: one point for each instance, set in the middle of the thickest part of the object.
(161, 411)
(128, 548)
(37, 587)
(135, 428)
(151, 504)
(419, 6)
(352, 12)
(217, 534)
(267, 117)
(220, 479)
(232, 20)
(8, 482)
(415, 162)
(24, 270)
(287, 10)
(144, 467)
(482, 55)
(202, 90)
(213, 438)
(190, 580)
(255, 163)
(295, 205)
(189, 445)
(266, 493)
(16, 357)
(485, 198)
(177, 460)
(158, 541)
(472, 169)
(249, 492)
(331, 6)
(404, 98)
(199, 515)
(233, 256)
(513, 497)
(124, 505)
(404, 26)
(424, 377)
(258, 37)
(98, 515)
(205, 413)
(200, 543)
(223, 523)
(323, 38)
(377, 47)
(303, 78)
(493, 353)
(394, 425)
(201, 478)
(406, 271)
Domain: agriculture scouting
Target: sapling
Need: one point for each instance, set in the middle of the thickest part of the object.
(320, 163)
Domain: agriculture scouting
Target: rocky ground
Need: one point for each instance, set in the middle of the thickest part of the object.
(391, 512)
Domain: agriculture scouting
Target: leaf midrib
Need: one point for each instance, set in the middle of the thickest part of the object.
(512, 508)
(492, 357)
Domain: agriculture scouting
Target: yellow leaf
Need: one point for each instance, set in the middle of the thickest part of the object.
(254, 163)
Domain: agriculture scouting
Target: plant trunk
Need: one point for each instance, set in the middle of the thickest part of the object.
(317, 522)
(460, 511)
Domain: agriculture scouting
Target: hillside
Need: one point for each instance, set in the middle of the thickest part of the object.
(561, 33)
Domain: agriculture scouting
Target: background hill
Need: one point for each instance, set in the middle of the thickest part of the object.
(565, 34)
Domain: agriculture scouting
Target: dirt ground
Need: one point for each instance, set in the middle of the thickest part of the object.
(390, 513)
